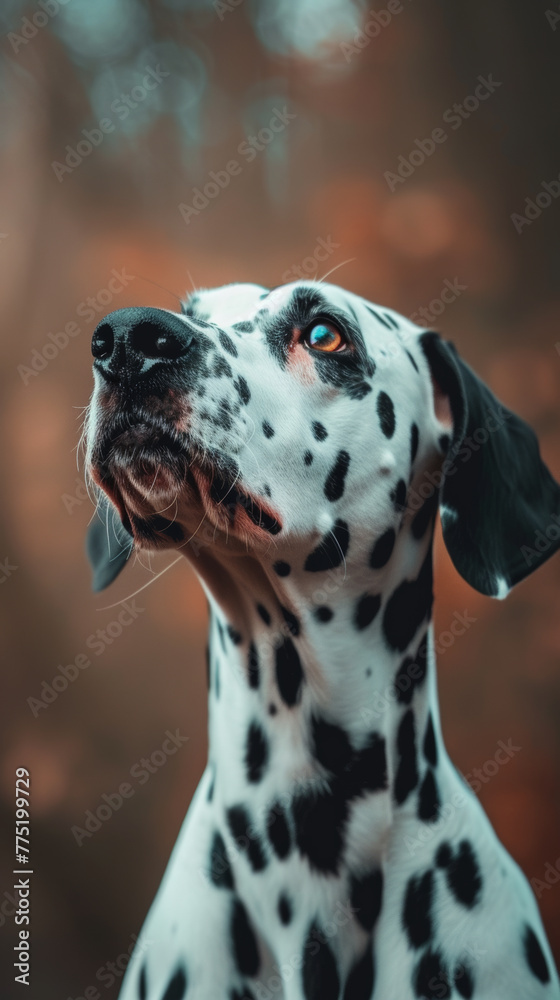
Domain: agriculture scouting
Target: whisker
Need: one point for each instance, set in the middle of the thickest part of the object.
(140, 589)
(154, 480)
(337, 543)
(162, 287)
(336, 267)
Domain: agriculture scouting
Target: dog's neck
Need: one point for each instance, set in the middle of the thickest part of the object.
(360, 672)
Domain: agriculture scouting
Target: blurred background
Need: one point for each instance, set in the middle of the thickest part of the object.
(120, 118)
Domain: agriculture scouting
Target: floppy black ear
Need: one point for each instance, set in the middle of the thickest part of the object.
(108, 545)
(499, 504)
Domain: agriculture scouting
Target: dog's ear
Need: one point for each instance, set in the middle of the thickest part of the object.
(108, 545)
(498, 500)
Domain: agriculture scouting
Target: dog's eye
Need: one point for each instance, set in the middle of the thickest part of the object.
(324, 336)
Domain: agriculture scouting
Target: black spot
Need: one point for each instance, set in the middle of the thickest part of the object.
(334, 484)
(381, 552)
(319, 432)
(268, 431)
(386, 414)
(284, 909)
(243, 389)
(368, 772)
(255, 854)
(366, 896)
(464, 982)
(431, 981)
(282, 568)
(429, 801)
(320, 974)
(227, 344)
(424, 516)
(462, 871)
(221, 367)
(291, 621)
(240, 824)
(430, 746)
(411, 359)
(407, 771)
(253, 666)
(279, 831)
(256, 753)
(444, 855)
(323, 614)
(359, 985)
(142, 984)
(272, 710)
(289, 675)
(398, 496)
(534, 955)
(220, 867)
(414, 436)
(245, 948)
(331, 746)
(245, 326)
(361, 771)
(308, 457)
(417, 909)
(366, 610)
(331, 549)
(264, 614)
(409, 606)
(411, 673)
(320, 819)
(444, 441)
(176, 987)
(379, 317)
(266, 490)
(234, 635)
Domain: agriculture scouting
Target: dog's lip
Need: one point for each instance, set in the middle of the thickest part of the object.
(125, 432)
(213, 484)
(114, 494)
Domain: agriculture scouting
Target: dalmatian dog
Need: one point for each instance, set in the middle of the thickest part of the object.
(295, 445)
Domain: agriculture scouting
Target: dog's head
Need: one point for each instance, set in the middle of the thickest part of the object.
(305, 418)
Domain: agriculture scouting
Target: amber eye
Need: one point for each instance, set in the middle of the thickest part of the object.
(324, 336)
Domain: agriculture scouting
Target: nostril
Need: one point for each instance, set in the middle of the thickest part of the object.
(154, 341)
(103, 342)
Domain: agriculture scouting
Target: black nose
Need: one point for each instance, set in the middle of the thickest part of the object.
(128, 342)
